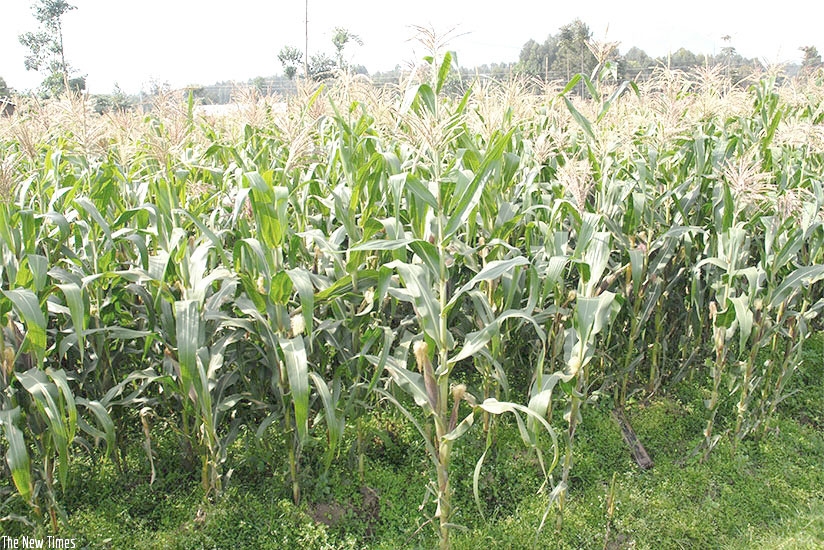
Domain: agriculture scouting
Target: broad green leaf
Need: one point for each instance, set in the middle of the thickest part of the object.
(61, 422)
(443, 71)
(92, 210)
(462, 427)
(801, 278)
(74, 299)
(297, 372)
(422, 297)
(744, 316)
(582, 121)
(591, 314)
(335, 422)
(491, 271)
(427, 96)
(103, 419)
(419, 190)
(427, 252)
(17, 454)
(471, 195)
(281, 289)
(39, 266)
(408, 381)
(188, 333)
(28, 307)
(343, 286)
(381, 245)
(476, 341)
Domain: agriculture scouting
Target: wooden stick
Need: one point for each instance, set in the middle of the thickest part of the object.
(636, 448)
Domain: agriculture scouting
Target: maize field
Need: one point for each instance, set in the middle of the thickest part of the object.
(503, 256)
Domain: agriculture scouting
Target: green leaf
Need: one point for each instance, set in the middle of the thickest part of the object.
(74, 299)
(462, 427)
(410, 382)
(476, 341)
(17, 455)
(60, 420)
(744, 316)
(39, 266)
(343, 286)
(427, 252)
(421, 295)
(591, 314)
(582, 121)
(801, 278)
(92, 210)
(443, 71)
(491, 271)
(281, 289)
(427, 96)
(335, 422)
(192, 371)
(414, 186)
(471, 194)
(103, 418)
(297, 372)
(476, 477)
(28, 307)
(381, 244)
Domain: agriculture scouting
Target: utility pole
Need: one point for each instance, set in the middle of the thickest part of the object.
(306, 43)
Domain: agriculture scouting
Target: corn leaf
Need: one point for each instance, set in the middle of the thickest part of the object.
(297, 372)
(17, 455)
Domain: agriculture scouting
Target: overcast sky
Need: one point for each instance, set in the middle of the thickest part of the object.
(203, 41)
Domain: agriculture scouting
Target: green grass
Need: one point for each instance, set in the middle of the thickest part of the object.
(768, 495)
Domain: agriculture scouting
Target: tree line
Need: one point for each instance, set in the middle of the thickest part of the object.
(571, 50)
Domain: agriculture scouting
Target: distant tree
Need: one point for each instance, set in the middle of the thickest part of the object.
(635, 61)
(120, 101)
(4, 88)
(55, 84)
(812, 59)
(574, 53)
(728, 53)
(260, 84)
(291, 58)
(116, 101)
(157, 88)
(498, 71)
(537, 59)
(560, 55)
(45, 46)
(340, 39)
(684, 59)
(321, 67)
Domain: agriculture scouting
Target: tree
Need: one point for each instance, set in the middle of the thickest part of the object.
(340, 39)
(728, 52)
(684, 59)
(4, 88)
(560, 54)
(812, 59)
(321, 66)
(573, 40)
(45, 46)
(291, 58)
(635, 61)
(538, 59)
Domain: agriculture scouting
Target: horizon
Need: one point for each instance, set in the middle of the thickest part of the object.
(186, 45)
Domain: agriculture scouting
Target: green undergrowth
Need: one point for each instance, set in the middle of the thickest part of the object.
(769, 494)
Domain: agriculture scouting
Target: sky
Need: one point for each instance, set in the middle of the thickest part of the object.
(183, 42)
